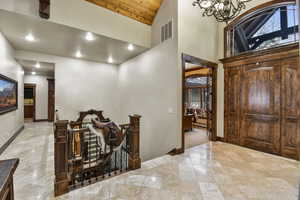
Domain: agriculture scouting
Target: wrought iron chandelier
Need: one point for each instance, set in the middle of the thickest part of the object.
(222, 10)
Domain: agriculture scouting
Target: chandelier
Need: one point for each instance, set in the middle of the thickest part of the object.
(222, 10)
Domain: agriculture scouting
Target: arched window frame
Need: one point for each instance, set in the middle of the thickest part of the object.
(228, 47)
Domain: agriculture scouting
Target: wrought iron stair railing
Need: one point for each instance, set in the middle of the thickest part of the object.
(82, 158)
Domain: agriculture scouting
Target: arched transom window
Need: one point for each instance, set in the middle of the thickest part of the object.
(266, 27)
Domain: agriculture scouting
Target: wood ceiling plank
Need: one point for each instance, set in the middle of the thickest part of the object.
(141, 10)
(139, 7)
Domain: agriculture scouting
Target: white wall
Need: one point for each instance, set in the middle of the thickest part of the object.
(81, 85)
(41, 82)
(12, 121)
(26, 7)
(198, 35)
(166, 12)
(148, 87)
(90, 17)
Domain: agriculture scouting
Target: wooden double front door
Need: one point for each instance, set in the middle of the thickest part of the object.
(262, 105)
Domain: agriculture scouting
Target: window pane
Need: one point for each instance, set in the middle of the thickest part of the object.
(293, 18)
(278, 40)
(272, 25)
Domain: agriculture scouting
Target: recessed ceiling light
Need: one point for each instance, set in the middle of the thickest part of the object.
(89, 36)
(33, 73)
(110, 60)
(78, 54)
(37, 65)
(29, 37)
(130, 47)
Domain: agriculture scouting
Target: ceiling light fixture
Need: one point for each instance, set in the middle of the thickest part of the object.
(130, 47)
(37, 65)
(29, 37)
(110, 60)
(33, 73)
(89, 36)
(78, 54)
(222, 10)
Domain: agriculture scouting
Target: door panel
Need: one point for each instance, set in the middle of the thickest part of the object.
(290, 111)
(260, 108)
(232, 92)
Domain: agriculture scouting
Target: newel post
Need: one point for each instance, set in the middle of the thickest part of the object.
(134, 160)
(61, 182)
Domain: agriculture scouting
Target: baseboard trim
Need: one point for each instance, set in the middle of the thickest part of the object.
(41, 120)
(220, 139)
(176, 151)
(4, 147)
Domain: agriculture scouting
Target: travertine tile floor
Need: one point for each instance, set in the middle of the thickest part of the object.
(213, 171)
(195, 137)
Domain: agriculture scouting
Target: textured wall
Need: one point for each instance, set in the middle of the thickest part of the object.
(26, 7)
(197, 34)
(148, 86)
(12, 121)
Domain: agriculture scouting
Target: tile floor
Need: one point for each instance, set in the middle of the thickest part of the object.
(195, 137)
(213, 171)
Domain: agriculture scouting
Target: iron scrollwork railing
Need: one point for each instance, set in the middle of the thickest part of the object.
(90, 157)
(90, 160)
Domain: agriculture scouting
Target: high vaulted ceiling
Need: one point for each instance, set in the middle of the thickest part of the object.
(141, 10)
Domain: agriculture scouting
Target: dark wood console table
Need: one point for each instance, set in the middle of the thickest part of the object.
(7, 170)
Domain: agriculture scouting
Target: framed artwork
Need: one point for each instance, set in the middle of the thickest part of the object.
(8, 94)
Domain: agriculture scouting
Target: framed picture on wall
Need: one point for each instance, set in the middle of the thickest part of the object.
(8, 94)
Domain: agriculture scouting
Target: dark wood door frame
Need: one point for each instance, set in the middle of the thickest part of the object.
(214, 67)
(33, 86)
(51, 99)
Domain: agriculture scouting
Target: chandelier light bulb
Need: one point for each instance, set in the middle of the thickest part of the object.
(205, 4)
(219, 6)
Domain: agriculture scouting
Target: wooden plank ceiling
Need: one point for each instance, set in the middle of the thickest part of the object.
(141, 10)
